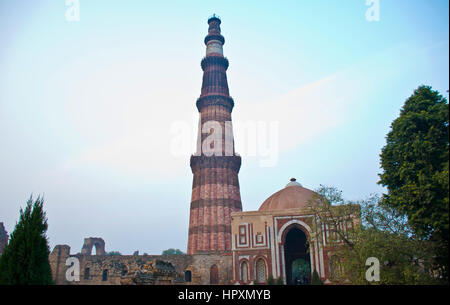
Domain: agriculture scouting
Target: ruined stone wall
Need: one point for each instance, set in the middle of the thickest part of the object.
(96, 242)
(92, 267)
(203, 263)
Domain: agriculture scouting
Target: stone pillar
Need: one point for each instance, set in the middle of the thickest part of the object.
(57, 260)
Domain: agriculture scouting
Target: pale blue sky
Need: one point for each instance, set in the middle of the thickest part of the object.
(86, 107)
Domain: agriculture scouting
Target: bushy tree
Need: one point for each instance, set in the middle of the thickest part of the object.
(382, 233)
(272, 281)
(25, 258)
(416, 168)
(172, 251)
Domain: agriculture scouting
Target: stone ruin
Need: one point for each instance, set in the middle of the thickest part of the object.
(103, 269)
(90, 242)
(3, 237)
(154, 272)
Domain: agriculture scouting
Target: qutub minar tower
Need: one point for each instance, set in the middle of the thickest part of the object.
(215, 189)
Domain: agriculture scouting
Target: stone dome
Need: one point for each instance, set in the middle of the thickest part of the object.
(293, 196)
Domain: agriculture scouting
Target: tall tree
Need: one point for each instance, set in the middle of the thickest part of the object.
(25, 259)
(416, 167)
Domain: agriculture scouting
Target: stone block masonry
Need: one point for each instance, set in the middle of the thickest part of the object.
(111, 269)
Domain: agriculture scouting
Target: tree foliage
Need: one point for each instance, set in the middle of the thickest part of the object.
(382, 232)
(25, 258)
(416, 168)
(172, 251)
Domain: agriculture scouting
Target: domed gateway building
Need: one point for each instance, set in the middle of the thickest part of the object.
(284, 239)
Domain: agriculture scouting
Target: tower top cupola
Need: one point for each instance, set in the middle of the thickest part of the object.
(214, 40)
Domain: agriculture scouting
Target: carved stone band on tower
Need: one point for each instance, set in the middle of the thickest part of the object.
(215, 189)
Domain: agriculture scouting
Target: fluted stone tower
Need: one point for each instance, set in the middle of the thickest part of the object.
(215, 189)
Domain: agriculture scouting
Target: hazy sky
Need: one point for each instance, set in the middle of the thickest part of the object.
(87, 108)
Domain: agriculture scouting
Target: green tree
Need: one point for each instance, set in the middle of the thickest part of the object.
(270, 280)
(376, 231)
(113, 253)
(172, 251)
(416, 167)
(25, 258)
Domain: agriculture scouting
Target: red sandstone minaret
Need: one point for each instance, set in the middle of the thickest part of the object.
(215, 190)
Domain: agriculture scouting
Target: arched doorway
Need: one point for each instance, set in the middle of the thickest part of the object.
(301, 272)
(91, 242)
(260, 271)
(214, 275)
(244, 272)
(188, 276)
(296, 257)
